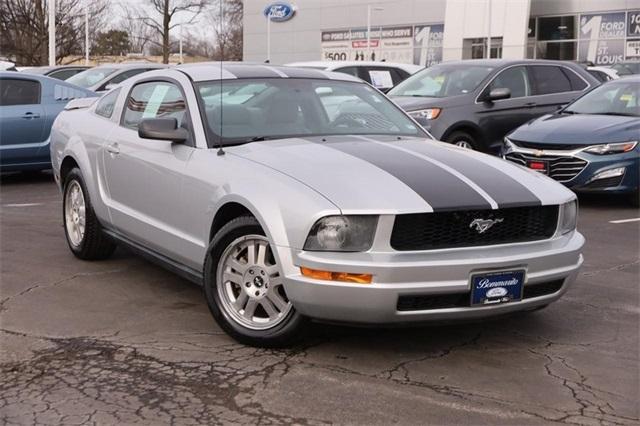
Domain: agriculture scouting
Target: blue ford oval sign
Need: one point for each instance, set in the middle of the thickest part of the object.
(279, 12)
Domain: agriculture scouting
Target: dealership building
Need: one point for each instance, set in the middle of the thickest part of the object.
(430, 31)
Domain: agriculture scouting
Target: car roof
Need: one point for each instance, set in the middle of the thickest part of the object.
(45, 69)
(634, 78)
(506, 62)
(205, 71)
(133, 65)
(335, 64)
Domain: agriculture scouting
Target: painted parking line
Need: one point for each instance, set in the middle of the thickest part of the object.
(23, 205)
(635, 219)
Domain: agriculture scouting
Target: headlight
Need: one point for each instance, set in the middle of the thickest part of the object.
(568, 217)
(426, 114)
(611, 148)
(342, 233)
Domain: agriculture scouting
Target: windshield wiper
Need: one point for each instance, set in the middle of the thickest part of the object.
(623, 114)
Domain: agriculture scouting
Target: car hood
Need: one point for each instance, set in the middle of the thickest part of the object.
(578, 129)
(412, 103)
(384, 175)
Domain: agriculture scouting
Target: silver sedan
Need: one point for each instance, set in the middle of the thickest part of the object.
(292, 194)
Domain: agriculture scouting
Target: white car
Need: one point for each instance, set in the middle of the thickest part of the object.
(7, 66)
(381, 75)
(603, 73)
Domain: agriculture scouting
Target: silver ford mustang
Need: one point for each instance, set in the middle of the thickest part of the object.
(296, 193)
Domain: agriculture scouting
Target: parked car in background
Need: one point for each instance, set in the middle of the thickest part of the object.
(626, 68)
(381, 75)
(28, 105)
(61, 72)
(591, 145)
(105, 77)
(475, 103)
(603, 74)
(284, 209)
(7, 66)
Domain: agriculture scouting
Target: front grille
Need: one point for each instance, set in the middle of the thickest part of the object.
(429, 231)
(548, 146)
(462, 300)
(611, 182)
(561, 168)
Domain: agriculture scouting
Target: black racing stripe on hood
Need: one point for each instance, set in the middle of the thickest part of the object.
(505, 190)
(439, 188)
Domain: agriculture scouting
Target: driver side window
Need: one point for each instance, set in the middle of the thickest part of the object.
(154, 100)
(515, 79)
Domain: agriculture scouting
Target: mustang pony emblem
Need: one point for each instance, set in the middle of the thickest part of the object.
(482, 225)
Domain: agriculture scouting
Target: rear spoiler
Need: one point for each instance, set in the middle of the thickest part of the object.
(80, 103)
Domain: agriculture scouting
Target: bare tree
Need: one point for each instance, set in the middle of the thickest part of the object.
(158, 16)
(226, 19)
(24, 28)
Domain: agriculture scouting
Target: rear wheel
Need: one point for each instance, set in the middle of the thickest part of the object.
(463, 140)
(84, 234)
(244, 287)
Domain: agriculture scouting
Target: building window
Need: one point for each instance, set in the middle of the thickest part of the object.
(557, 28)
(474, 48)
(559, 50)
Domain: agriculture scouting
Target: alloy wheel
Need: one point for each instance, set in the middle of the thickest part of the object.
(250, 285)
(75, 213)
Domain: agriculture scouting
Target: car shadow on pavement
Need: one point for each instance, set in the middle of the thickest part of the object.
(606, 201)
(18, 178)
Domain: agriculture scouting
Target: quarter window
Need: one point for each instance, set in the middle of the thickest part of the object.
(154, 100)
(19, 92)
(107, 104)
(549, 79)
(515, 79)
(577, 83)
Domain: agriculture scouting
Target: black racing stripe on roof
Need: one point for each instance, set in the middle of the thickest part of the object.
(250, 71)
(442, 190)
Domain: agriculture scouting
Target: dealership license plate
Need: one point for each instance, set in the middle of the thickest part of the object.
(497, 287)
(539, 166)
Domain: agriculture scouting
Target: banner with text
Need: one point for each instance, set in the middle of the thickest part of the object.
(420, 44)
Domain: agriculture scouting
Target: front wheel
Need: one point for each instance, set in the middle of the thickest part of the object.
(463, 140)
(244, 287)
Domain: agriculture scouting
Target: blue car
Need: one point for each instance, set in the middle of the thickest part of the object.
(28, 106)
(591, 145)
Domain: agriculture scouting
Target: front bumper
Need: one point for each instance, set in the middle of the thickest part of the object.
(442, 272)
(587, 168)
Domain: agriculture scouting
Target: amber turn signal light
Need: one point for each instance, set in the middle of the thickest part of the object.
(337, 276)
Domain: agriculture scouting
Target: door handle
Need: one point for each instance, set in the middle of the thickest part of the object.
(30, 115)
(530, 104)
(113, 148)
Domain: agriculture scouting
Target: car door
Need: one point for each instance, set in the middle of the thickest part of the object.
(499, 117)
(554, 86)
(21, 120)
(144, 177)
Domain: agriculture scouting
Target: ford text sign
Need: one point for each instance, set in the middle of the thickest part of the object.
(279, 12)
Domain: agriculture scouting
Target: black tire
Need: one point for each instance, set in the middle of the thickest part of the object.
(459, 137)
(95, 244)
(634, 198)
(282, 334)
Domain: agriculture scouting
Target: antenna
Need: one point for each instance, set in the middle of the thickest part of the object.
(220, 149)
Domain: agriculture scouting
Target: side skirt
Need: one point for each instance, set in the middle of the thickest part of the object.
(157, 258)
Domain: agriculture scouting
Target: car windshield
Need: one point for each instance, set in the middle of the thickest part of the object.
(246, 110)
(440, 81)
(90, 77)
(615, 98)
(627, 68)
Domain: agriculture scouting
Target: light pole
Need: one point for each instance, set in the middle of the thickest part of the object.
(52, 32)
(269, 37)
(488, 50)
(180, 43)
(369, 9)
(86, 35)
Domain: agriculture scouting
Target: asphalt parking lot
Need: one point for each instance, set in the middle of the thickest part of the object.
(123, 341)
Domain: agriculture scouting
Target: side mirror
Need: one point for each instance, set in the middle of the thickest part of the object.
(497, 94)
(164, 129)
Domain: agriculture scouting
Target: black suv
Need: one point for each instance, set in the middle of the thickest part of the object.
(475, 103)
